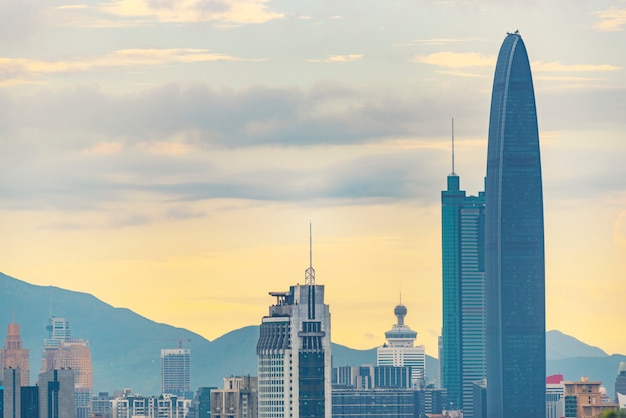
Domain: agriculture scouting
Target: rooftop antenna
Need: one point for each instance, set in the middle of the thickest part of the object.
(309, 274)
(453, 173)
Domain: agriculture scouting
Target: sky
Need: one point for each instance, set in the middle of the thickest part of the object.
(168, 155)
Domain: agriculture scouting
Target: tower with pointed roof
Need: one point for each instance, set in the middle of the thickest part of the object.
(14, 355)
(400, 349)
(514, 242)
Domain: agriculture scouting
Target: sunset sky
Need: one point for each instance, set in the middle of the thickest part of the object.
(167, 155)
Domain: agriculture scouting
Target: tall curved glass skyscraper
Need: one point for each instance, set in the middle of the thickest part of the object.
(514, 245)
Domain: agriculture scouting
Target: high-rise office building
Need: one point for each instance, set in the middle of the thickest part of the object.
(294, 361)
(58, 330)
(175, 372)
(514, 245)
(60, 351)
(201, 405)
(56, 394)
(75, 354)
(238, 398)
(391, 403)
(14, 355)
(368, 376)
(400, 349)
(12, 394)
(620, 380)
(462, 350)
(30, 402)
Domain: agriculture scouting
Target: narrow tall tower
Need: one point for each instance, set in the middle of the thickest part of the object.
(14, 355)
(462, 351)
(294, 362)
(514, 258)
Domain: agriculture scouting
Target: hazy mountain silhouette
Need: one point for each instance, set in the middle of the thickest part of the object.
(561, 346)
(126, 347)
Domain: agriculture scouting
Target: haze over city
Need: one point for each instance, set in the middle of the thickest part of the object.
(168, 156)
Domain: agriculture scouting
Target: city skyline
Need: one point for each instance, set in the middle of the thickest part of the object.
(143, 146)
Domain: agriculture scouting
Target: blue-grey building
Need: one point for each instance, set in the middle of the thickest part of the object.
(368, 376)
(514, 252)
(29, 397)
(11, 379)
(375, 403)
(462, 351)
(201, 406)
(56, 394)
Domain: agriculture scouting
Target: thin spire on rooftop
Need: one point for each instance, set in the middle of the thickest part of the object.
(453, 173)
(309, 274)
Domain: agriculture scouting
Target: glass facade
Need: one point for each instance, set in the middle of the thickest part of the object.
(392, 403)
(293, 353)
(515, 277)
(463, 273)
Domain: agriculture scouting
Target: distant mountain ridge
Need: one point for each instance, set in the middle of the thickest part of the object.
(561, 346)
(126, 346)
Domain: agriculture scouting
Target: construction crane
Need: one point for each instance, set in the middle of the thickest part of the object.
(180, 340)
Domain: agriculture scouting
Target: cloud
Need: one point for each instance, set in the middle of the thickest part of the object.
(610, 20)
(459, 60)
(165, 148)
(456, 59)
(556, 66)
(619, 229)
(339, 58)
(437, 41)
(72, 7)
(236, 12)
(105, 148)
(108, 183)
(14, 70)
(19, 19)
(197, 115)
(183, 143)
(462, 74)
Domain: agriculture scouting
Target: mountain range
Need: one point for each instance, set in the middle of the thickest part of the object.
(125, 347)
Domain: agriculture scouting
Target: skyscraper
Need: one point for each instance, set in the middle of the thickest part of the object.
(400, 349)
(293, 350)
(462, 351)
(175, 372)
(14, 355)
(75, 354)
(514, 246)
(56, 394)
(60, 351)
(12, 399)
(58, 330)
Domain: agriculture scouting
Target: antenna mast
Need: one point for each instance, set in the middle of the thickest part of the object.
(309, 274)
(453, 173)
